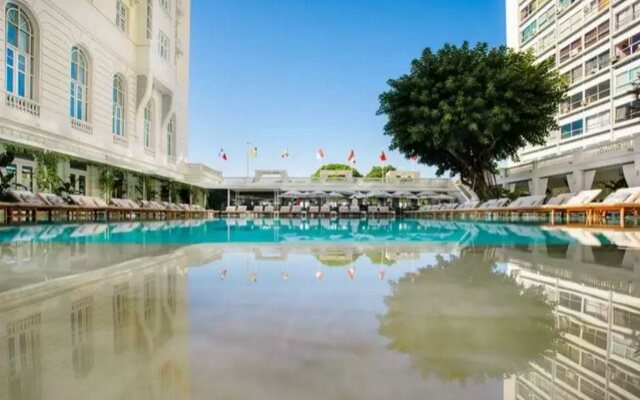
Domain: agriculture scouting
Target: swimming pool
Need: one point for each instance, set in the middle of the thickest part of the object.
(333, 310)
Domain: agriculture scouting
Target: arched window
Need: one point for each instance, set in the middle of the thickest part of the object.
(20, 51)
(148, 124)
(171, 137)
(79, 95)
(117, 126)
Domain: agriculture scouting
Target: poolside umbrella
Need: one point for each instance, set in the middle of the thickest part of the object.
(357, 196)
(427, 194)
(291, 195)
(335, 195)
(401, 194)
(379, 195)
(317, 194)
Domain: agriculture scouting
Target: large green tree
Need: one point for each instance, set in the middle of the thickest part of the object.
(336, 167)
(380, 172)
(464, 109)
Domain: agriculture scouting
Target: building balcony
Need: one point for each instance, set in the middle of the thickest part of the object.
(83, 126)
(23, 104)
(120, 140)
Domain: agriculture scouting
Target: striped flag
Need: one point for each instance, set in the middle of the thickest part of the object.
(383, 157)
(222, 154)
(352, 157)
(285, 154)
(320, 154)
(253, 153)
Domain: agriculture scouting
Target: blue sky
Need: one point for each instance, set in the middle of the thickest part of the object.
(306, 74)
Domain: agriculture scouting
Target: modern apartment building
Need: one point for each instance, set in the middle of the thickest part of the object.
(595, 44)
(102, 82)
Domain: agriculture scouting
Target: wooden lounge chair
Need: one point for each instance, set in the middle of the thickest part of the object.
(242, 211)
(384, 211)
(343, 211)
(257, 211)
(230, 211)
(619, 202)
(313, 211)
(284, 211)
(325, 211)
(575, 205)
(296, 211)
(268, 210)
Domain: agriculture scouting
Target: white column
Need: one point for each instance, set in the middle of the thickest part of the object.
(631, 175)
(588, 179)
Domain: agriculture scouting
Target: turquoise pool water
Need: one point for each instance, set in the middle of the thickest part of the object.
(293, 231)
(319, 310)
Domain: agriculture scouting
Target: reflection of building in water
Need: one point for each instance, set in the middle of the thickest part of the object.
(598, 313)
(113, 333)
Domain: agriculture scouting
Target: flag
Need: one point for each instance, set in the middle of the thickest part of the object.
(383, 157)
(320, 154)
(414, 157)
(253, 153)
(352, 157)
(222, 155)
(285, 154)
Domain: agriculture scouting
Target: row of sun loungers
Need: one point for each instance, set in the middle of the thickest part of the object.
(566, 207)
(313, 211)
(29, 207)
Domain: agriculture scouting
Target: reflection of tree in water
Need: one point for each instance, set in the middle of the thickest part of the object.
(460, 320)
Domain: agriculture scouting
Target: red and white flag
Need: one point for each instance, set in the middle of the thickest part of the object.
(352, 157)
(285, 154)
(320, 154)
(222, 154)
(414, 157)
(383, 157)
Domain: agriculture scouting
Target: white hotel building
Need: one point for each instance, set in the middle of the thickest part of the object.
(595, 44)
(105, 82)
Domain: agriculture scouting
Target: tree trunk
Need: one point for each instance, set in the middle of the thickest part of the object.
(481, 183)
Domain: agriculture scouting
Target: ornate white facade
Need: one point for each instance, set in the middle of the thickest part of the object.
(106, 81)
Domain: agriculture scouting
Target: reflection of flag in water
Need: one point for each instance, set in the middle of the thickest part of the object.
(222, 154)
(319, 275)
(381, 274)
(351, 272)
(320, 154)
(352, 157)
(223, 274)
(253, 276)
(285, 154)
(253, 152)
(285, 275)
(383, 157)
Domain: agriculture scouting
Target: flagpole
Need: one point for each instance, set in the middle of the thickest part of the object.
(248, 156)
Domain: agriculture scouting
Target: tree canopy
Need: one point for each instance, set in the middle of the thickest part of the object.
(336, 167)
(380, 172)
(464, 109)
(461, 320)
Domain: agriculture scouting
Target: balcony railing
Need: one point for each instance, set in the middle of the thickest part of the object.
(83, 126)
(121, 140)
(23, 104)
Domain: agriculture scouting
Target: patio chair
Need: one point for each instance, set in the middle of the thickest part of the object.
(268, 210)
(230, 211)
(313, 211)
(257, 211)
(284, 211)
(325, 211)
(343, 211)
(296, 211)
